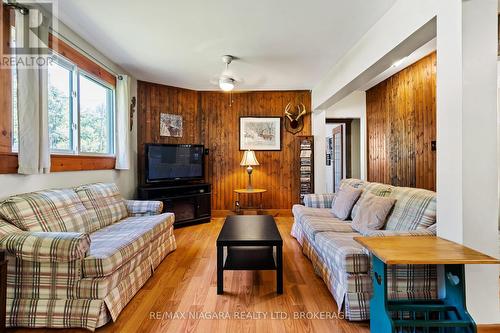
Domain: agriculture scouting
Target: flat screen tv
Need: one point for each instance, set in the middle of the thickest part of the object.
(170, 162)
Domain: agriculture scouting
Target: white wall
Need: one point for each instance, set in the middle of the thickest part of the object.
(319, 133)
(126, 180)
(352, 106)
(467, 137)
(401, 20)
(467, 160)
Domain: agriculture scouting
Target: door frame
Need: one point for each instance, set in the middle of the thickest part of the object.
(337, 130)
(347, 125)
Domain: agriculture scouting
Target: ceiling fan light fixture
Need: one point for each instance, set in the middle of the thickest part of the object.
(226, 84)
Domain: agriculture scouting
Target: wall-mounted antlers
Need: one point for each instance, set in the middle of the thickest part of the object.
(301, 111)
(293, 121)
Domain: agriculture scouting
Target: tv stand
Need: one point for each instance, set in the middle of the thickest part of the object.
(191, 203)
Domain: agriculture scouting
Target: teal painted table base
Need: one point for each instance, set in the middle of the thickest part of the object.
(445, 315)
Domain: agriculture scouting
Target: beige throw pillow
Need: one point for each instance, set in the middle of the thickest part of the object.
(372, 213)
(344, 201)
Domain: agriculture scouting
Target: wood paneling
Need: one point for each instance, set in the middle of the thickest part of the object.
(210, 119)
(154, 99)
(401, 126)
(60, 163)
(83, 62)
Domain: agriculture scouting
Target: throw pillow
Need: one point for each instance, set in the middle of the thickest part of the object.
(344, 201)
(372, 213)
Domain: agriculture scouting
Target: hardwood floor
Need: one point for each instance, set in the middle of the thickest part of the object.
(185, 283)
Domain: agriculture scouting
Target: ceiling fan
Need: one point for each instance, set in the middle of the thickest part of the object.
(227, 81)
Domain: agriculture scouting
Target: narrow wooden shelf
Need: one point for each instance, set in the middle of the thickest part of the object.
(250, 258)
(407, 250)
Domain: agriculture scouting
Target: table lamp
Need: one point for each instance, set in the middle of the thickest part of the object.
(249, 160)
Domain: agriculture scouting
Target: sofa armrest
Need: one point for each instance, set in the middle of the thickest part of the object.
(143, 208)
(46, 246)
(319, 200)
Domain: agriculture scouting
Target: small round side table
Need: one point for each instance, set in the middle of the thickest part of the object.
(259, 191)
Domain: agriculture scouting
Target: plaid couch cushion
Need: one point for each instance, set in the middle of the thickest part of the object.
(381, 190)
(143, 208)
(319, 200)
(300, 211)
(48, 210)
(104, 203)
(352, 182)
(113, 246)
(414, 209)
(341, 251)
(312, 225)
(356, 183)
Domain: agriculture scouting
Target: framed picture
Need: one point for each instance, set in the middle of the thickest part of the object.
(260, 133)
(171, 125)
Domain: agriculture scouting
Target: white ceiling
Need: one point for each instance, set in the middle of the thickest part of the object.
(282, 44)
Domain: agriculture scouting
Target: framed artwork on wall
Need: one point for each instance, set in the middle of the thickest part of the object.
(171, 125)
(260, 133)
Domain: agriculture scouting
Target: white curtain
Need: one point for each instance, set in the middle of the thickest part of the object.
(122, 123)
(32, 105)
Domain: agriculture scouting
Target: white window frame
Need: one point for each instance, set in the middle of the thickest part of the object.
(68, 65)
(75, 109)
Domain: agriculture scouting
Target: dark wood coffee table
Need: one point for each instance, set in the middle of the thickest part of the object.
(249, 241)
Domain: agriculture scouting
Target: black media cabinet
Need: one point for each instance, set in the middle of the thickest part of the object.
(191, 203)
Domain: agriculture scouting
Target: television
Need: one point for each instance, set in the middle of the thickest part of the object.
(174, 162)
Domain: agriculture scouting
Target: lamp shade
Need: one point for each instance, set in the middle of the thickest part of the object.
(249, 159)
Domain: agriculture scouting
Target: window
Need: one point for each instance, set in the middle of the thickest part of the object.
(60, 107)
(96, 120)
(80, 111)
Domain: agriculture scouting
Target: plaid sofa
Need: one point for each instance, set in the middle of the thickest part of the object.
(345, 265)
(78, 256)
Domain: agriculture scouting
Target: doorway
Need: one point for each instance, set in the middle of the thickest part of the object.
(343, 151)
(337, 156)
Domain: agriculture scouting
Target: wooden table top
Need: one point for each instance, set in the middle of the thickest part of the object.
(408, 250)
(246, 191)
(247, 230)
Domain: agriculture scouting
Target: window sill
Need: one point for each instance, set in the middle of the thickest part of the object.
(62, 163)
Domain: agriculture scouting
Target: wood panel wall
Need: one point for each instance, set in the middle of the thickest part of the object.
(401, 126)
(210, 119)
(154, 99)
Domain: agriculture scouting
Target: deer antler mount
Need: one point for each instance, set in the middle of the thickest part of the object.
(294, 117)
